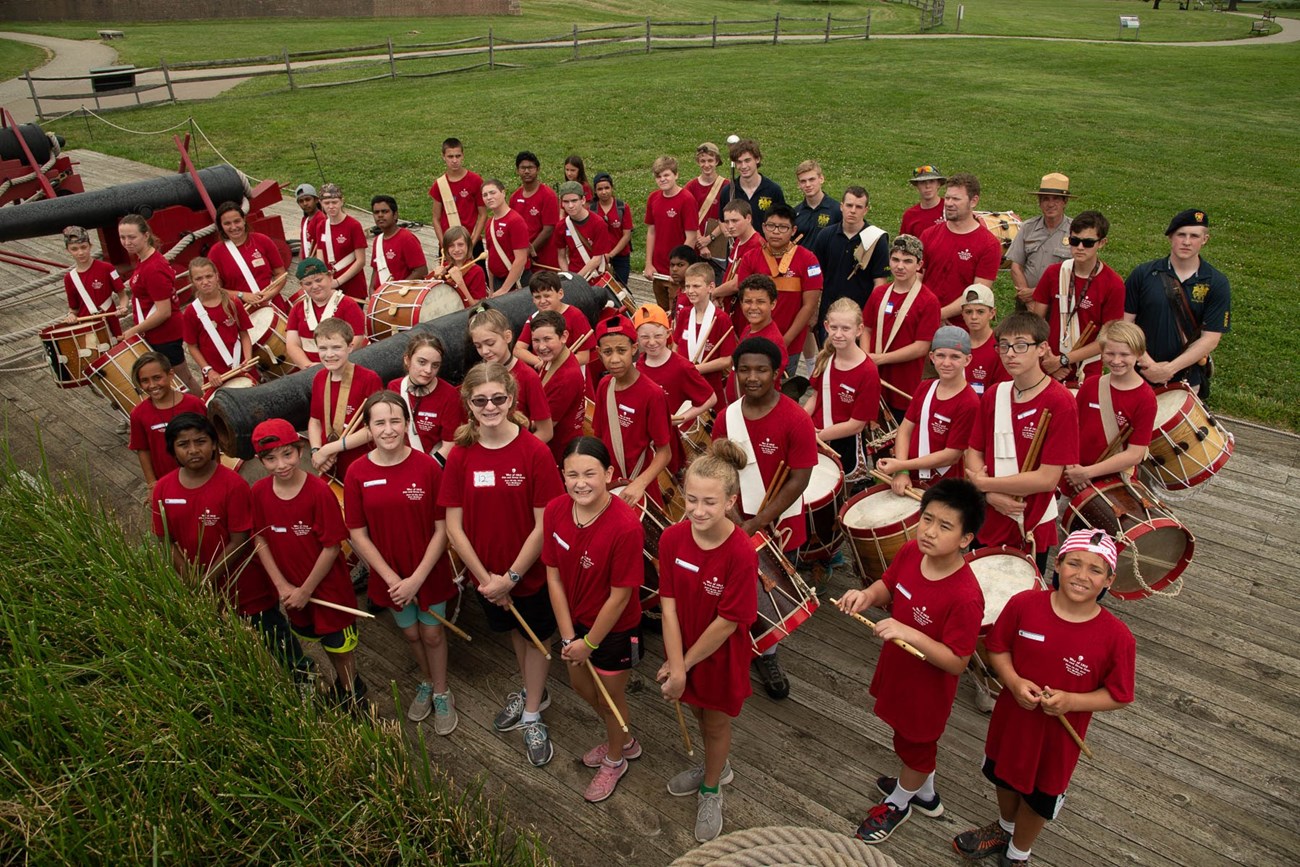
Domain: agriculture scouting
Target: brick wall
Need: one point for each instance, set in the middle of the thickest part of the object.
(192, 10)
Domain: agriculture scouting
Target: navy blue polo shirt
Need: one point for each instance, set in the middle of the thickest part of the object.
(767, 196)
(809, 222)
(837, 254)
(1207, 293)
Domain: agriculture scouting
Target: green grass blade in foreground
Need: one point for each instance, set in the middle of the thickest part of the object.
(140, 725)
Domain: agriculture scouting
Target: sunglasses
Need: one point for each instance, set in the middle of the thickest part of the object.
(1086, 243)
(496, 400)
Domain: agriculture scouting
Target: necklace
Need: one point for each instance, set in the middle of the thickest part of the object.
(1021, 392)
(582, 526)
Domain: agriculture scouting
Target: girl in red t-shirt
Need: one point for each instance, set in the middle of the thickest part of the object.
(216, 327)
(493, 340)
(591, 546)
(845, 384)
(390, 503)
(459, 269)
(708, 589)
(152, 375)
(436, 408)
(249, 263)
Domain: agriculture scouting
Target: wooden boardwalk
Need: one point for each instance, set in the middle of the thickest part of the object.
(1203, 769)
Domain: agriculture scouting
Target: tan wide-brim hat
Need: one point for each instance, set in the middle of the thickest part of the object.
(1054, 184)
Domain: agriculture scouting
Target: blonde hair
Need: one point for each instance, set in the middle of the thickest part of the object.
(664, 164)
(1127, 333)
(702, 270)
(226, 303)
(840, 305)
(722, 462)
(479, 375)
(457, 233)
(808, 166)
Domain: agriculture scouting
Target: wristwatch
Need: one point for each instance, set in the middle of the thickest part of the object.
(1065, 359)
(565, 642)
(514, 576)
(207, 370)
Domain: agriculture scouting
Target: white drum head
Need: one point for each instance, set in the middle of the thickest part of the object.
(1002, 576)
(261, 319)
(1169, 404)
(880, 509)
(826, 477)
(440, 301)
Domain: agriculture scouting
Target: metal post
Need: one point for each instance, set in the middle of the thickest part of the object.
(288, 70)
(392, 60)
(492, 63)
(31, 85)
(647, 36)
(715, 32)
(868, 36)
(828, 27)
(776, 28)
(167, 77)
(575, 42)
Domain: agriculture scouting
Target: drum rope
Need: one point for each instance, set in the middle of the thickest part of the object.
(757, 847)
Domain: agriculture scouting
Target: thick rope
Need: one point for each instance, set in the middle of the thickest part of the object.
(31, 176)
(781, 845)
(31, 286)
(187, 239)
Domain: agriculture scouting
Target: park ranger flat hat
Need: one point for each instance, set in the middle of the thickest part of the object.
(1054, 184)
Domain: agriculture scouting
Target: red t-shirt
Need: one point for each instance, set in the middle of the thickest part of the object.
(672, 217)
(920, 323)
(643, 421)
(566, 394)
(347, 310)
(952, 262)
(497, 489)
(467, 193)
(365, 382)
(335, 242)
(229, 329)
(260, 255)
(436, 414)
(706, 585)
(1032, 750)
(1060, 448)
(700, 192)
(100, 281)
(735, 255)
(619, 220)
(985, 369)
(532, 397)
(597, 239)
(398, 507)
(917, 219)
(951, 420)
(854, 394)
(510, 233)
(475, 282)
(914, 697)
(201, 520)
(153, 280)
(296, 531)
(593, 560)
(1135, 407)
(1097, 301)
(309, 232)
(803, 267)
(681, 383)
(722, 335)
(772, 333)
(402, 252)
(540, 210)
(581, 335)
(786, 434)
(149, 430)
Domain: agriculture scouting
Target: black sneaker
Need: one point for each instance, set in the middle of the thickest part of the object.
(978, 843)
(1006, 861)
(882, 821)
(932, 808)
(773, 678)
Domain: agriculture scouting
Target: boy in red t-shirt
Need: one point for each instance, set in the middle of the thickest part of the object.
(757, 301)
(548, 294)
(561, 380)
(977, 312)
(1062, 637)
(343, 245)
(457, 196)
(936, 606)
(1030, 408)
(671, 219)
(92, 284)
(337, 393)
(587, 238)
(795, 272)
(320, 302)
(539, 207)
(689, 396)
(703, 333)
(899, 321)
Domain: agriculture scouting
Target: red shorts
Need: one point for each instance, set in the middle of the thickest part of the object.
(921, 757)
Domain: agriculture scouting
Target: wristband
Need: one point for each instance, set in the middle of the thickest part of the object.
(315, 449)
(905, 473)
(587, 641)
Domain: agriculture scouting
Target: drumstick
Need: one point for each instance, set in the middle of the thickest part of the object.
(532, 635)
(91, 318)
(600, 685)
(447, 624)
(1120, 442)
(778, 479)
(911, 491)
(686, 735)
(1074, 735)
(1036, 447)
(275, 285)
(343, 608)
(721, 340)
(237, 371)
(865, 622)
(895, 389)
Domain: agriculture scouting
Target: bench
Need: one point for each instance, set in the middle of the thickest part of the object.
(1268, 15)
(111, 34)
(1260, 27)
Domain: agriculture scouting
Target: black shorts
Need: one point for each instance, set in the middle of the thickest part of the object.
(535, 609)
(1041, 803)
(620, 651)
(344, 640)
(172, 350)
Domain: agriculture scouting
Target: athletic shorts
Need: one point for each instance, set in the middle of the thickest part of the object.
(1045, 805)
(343, 641)
(535, 609)
(620, 651)
(172, 350)
(405, 618)
(921, 757)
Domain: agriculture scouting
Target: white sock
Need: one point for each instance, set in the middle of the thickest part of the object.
(1009, 827)
(900, 797)
(1015, 854)
(771, 651)
(531, 716)
(926, 792)
(610, 764)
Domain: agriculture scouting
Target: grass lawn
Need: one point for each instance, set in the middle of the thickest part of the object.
(1123, 122)
(17, 56)
(1091, 19)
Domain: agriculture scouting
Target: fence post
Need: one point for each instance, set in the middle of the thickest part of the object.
(492, 63)
(392, 60)
(31, 85)
(575, 42)
(715, 32)
(647, 36)
(167, 77)
(868, 36)
(828, 27)
(776, 27)
(288, 70)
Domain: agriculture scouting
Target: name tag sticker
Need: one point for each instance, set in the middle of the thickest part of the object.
(903, 590)
(627, 409)
(485, 479)
(1032, 636)
(1026, 414)
(563, 544)
(169, 501)
(691, 566)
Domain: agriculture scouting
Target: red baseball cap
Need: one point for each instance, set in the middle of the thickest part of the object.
(615, 325)
(273, 433)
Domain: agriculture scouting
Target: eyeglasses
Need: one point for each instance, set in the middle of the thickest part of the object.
(496, 400)
(1015, 348)
(777, 227)
(1086, 243)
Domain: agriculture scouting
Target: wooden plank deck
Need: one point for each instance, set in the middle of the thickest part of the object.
(1202, 769)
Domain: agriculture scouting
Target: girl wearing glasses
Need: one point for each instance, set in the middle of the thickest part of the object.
(493, 340)
(498, 480)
